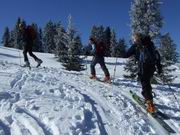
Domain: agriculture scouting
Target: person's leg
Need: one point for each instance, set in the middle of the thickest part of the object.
(146, 87)
(92, 66)
(25, 50)
(39, 61)
(147, 91)
(31, 53)
(103, 66)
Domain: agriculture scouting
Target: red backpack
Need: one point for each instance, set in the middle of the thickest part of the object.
(100, 48)
(31, 32)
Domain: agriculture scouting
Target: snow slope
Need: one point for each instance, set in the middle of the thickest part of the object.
(52, 101)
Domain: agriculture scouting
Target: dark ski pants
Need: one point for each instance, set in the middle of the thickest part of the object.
(28, 49)
(145, 79)
(99, 60)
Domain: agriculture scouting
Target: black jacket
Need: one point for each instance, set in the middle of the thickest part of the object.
(134, 50)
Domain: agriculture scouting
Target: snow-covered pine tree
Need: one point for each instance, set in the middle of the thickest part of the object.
(37, 44)
(61, 44)
(16, 35)
(168, 48)
(6, 38)
(87, 49)
(107, 41)
(145, 18)
(113, 43)
(48, 37)
(98, 32)
(93, 32)
(78, 45)
(73, 62)
(40, 36)
(120, 49)
(131, 68)
(170, 57)
(12, 38)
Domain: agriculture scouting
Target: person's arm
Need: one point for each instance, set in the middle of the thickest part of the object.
(131, 51)
(158, 62)
(93, 49)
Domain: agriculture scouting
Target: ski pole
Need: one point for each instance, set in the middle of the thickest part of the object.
(173, 94)
(19, 57)
(172, 91)
(115, 69)
(86, 65)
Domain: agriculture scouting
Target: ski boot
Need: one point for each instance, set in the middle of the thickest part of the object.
(27, 64)
(107, 79)
(150, 106)
(39, 61)
(93, 77)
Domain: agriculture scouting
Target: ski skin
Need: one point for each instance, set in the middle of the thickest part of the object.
(158, 115)
(30, 67)
(99, 80)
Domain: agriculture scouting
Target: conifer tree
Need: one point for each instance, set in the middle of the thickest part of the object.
(6, 38)
(98, 32)
(113, 44)
(131, 69)
(40, 35)
(120, 49)
(61, 44)
(146, 17)
(48, 37)
(170, 57)
(37, 43)
(107, 41)
(73, 61)
(16, 35)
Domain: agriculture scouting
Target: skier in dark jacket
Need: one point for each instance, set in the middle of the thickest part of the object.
(28, 36)
(98, 57)
(148, 60)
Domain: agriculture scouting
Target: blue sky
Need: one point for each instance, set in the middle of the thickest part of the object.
(85, 13)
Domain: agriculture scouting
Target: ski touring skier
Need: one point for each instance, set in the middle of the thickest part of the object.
(148, 59)
(28, 35)
(98, 57)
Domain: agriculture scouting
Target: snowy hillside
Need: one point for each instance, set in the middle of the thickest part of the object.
(52, 101)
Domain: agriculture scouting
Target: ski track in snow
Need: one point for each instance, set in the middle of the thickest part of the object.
(5, 128)
(122, 108)
(50, 101)
(27, 115)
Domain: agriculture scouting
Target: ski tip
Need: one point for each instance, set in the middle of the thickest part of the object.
(131, 91)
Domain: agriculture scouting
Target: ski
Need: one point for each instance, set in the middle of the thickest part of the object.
(106, 82)
(25, 67)
(158, 115)
(32, 67)
(99, 80)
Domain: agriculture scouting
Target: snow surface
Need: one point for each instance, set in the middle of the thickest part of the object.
(52, 101)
